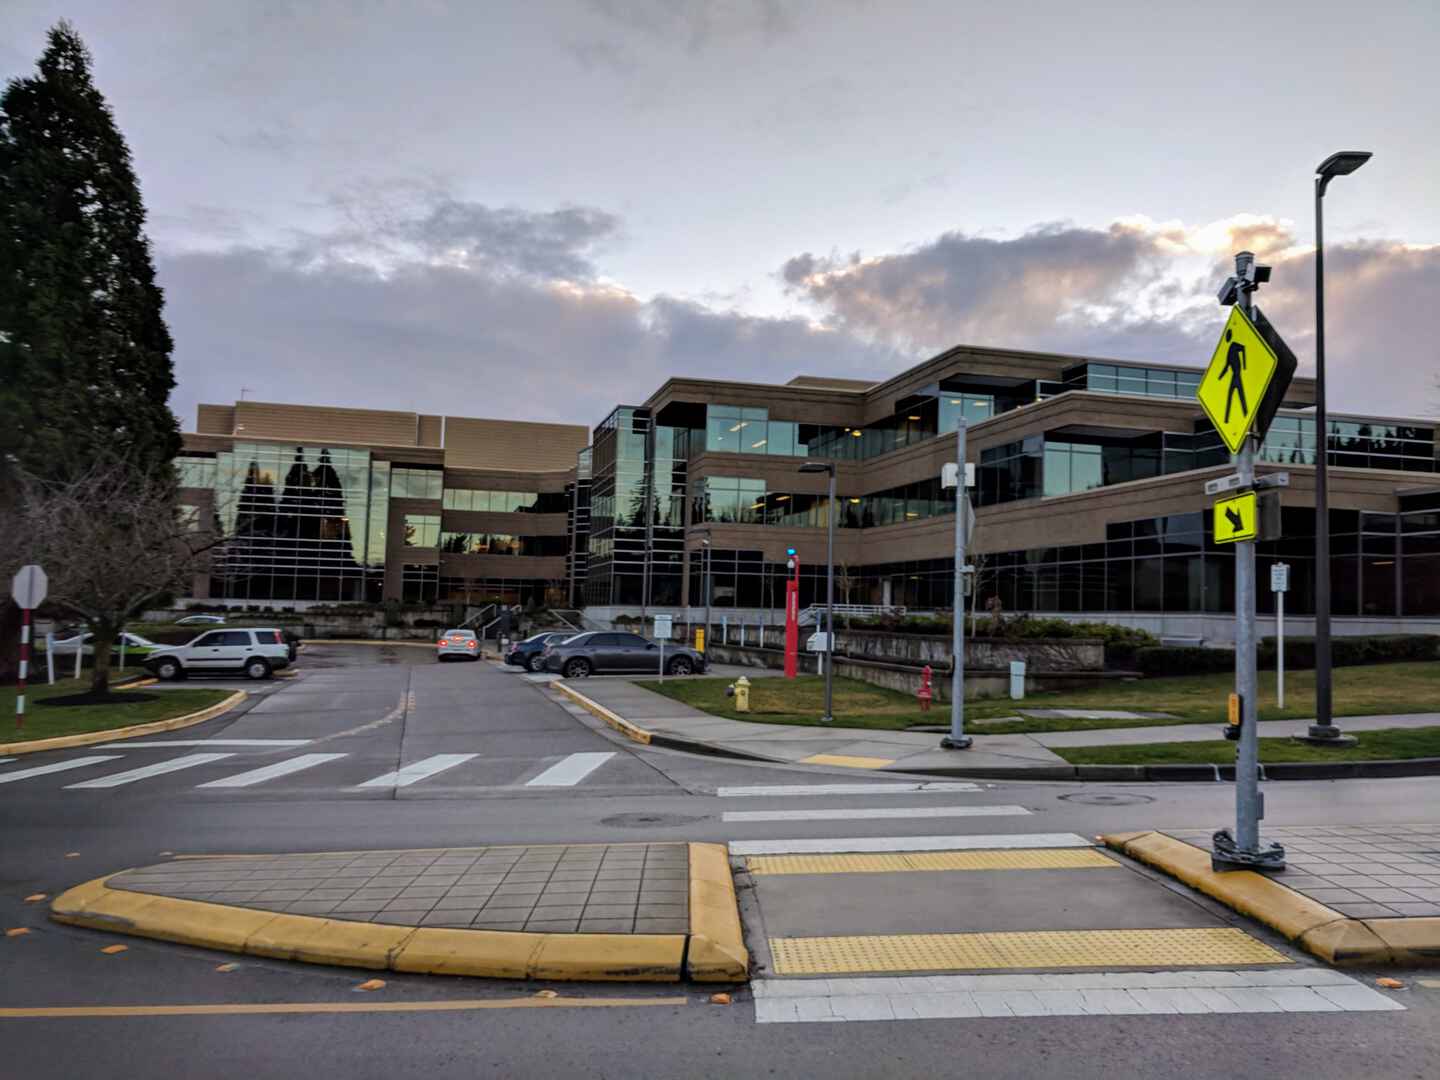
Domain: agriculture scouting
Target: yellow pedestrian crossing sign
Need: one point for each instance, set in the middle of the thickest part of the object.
(1235, 383)
(1236, 519)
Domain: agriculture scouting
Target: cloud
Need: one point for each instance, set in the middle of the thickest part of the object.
(519, 326)
(1143, 290)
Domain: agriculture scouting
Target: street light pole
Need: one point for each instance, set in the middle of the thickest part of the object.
(829, 652)
(1324, 729)
(957, 739)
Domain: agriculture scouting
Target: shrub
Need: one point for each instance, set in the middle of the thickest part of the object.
(1161, 661)
(1352, 651)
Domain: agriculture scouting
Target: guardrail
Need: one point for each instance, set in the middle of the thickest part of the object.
(811, 615)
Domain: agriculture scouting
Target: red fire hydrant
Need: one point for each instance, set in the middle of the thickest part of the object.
(925, 693)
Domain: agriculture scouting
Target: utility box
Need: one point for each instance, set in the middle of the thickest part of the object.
(1017, 680)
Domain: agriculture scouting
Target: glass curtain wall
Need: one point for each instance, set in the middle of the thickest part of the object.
(618, 520)
(304, 523)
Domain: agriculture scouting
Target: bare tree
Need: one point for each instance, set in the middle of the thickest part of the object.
(112, 540)
(845, 580)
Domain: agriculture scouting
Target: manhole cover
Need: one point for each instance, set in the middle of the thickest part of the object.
(643, 821)
(1107, 798)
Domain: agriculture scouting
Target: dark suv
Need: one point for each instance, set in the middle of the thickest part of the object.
(530, 653)
(603, 652)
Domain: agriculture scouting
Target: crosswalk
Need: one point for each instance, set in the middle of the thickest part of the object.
(555, 772)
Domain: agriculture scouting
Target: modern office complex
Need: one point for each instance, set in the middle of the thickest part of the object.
(1089, 499)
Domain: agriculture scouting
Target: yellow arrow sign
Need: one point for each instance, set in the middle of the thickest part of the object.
(1236, 519)
(1236, 380)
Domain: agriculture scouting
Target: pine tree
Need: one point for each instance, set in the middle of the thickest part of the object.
(84, 351)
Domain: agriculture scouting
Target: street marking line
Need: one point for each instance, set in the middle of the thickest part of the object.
(1187, 947)
(758, 791)
(418, 770)
(1035, 859)
(1100, 993)
(63, 1012)
(1000, 842)
(277, 743)
(874, 812)
(59, 766)
(132, 775)
(270, 772)
(571, 770)
(847, 761)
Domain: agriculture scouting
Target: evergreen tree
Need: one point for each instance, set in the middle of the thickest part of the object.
(84, 351)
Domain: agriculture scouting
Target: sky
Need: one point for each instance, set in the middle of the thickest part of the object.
(541, 210)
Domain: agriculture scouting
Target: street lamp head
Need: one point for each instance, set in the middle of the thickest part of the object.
(818, 467)
(1339, 164)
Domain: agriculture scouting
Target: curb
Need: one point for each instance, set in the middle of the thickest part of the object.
(712, 950)
(615, 720)
(65, 742)
(1319, 930)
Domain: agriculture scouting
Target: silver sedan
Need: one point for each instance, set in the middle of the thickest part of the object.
(457, 644)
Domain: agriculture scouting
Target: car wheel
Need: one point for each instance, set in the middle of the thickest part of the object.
(681, 665)
(257, 667)
(536, 663)
(577, 668)
(167, 670)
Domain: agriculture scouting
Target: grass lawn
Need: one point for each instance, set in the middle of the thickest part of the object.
(1387, 744)
(45, 723)
(1377, 689)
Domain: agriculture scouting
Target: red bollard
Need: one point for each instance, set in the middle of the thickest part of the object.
(925, 693)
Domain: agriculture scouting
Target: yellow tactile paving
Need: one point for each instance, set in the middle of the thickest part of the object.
(899, 862)
(848, 761)
(1191, 947)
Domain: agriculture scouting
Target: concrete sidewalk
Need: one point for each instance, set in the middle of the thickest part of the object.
(674, 724)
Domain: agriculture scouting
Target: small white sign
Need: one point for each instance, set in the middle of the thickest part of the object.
(664, 627)
(1280, 577)
(29, 586)
(818, 642)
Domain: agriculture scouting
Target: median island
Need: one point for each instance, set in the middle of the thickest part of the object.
(47, 718)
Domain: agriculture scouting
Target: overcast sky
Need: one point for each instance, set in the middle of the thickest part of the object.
(542, 209)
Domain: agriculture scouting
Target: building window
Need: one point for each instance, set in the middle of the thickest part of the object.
(734, 499)
(422, 530)
(194, 471)
(408, 483)
(503, 502)
(419, 584)
(188, 517)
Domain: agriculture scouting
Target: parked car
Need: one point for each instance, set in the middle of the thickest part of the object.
(258, 652)
(201, 620)
(601, 652)
(530, 653)
(461, 644)
(134, 643)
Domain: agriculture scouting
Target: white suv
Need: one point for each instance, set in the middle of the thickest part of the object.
(255, 652)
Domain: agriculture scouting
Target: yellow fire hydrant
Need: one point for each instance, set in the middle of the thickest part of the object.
(742, 694)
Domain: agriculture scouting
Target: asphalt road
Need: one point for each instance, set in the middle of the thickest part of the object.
(385, 748)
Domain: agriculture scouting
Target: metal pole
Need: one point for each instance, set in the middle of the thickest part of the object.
(708, 593)
(1280, 650)
(24, 668)
(50, 656)
(1324, 726)
(829, 653)
(1243, 850)
(957, 739)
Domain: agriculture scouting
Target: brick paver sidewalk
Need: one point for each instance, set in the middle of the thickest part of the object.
(588, 888)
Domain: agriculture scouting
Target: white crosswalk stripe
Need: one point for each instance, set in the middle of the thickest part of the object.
(1002, 842)
(418, 770)
(886, 812)
(570, 771)
(131, 776)
(270, 772)
(1100, 993)
(938, 788)
(59, 766)
(278, 744)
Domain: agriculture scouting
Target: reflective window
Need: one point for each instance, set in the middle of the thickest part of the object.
(195, 471)
(407, 483)
(422, 530)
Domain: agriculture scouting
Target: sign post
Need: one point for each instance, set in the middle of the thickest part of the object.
(50, 657)
(1240, 391)
(27, 588)
(664, 628)
(1280, 585)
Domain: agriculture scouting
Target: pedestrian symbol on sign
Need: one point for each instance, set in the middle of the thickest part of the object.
(1235, 369)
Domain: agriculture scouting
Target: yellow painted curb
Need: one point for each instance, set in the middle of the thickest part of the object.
(619, 723)
(65, 742)
(1317, 929)
(427, 950)
(367, 641)
(717, 944)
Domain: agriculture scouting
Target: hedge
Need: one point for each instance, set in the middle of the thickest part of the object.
(1121, 642)
(1165, 660)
